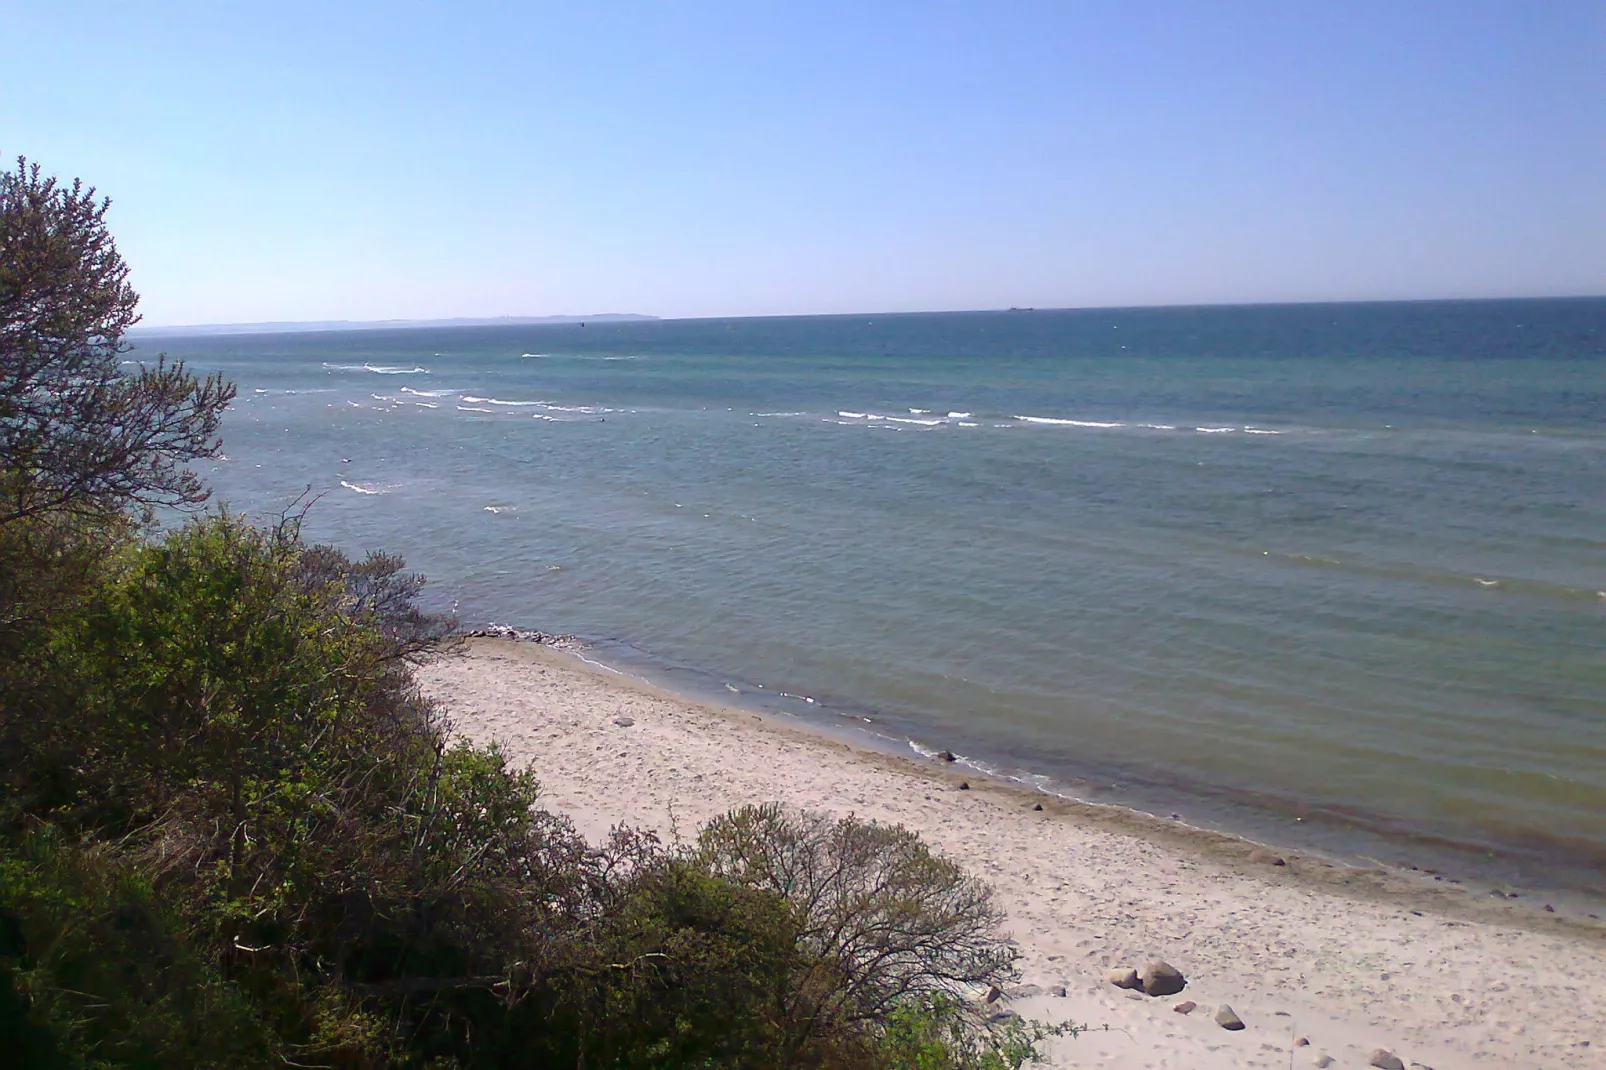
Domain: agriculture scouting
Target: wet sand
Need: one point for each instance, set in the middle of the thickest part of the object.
(1351, 958)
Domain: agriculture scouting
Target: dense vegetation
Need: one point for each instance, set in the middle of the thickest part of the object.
(233, 833)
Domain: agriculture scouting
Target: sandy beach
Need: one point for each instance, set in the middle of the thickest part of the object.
(1349, 959)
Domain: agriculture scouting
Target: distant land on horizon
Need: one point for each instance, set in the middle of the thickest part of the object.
(291, 326)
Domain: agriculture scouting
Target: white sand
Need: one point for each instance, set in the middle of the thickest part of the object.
(1352, 959)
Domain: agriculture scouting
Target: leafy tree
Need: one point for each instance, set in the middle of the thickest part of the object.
(76, 434)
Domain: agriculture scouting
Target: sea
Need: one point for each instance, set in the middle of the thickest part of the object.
(1329, 576)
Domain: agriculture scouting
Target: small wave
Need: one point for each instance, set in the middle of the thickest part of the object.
(426, 404)
(918, 412)
(377, 369)
(1485, 583)
(922, 423)
(501, 509)
(1214, 430)
(959, 416)
(1159, 427)
(427, 393)
(1260, 431)
(1066, 423)
(964, 423)
(360, 489)
(472, 408)
(579, 408)
(529, 356)
(851, 415)
(777, 414)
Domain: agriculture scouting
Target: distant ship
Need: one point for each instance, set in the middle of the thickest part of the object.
(1012, 309)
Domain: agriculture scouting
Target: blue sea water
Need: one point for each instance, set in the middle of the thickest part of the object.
(1332, 575)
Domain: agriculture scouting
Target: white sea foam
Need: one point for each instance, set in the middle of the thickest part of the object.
(777, 414)
(377, 369)
(959, 416)
(1214, 430)
(851, 415)
(963, 423)
(1159, 427)
(1260, 431)
(922, 423)
(500, 509)
(360, 489)
(918, 412)
(426, 404)
(472, 408)
(1066, 423)
(428, 393)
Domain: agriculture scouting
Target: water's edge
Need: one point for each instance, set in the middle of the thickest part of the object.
(1354, 859)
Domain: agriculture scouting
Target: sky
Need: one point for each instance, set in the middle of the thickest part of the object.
(354, 160)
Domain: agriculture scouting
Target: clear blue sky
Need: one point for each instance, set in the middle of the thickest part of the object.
(363, 160)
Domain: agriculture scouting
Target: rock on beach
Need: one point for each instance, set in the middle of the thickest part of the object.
(1160, 978)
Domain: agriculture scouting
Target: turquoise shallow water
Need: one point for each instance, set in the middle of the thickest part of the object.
(1327, 574)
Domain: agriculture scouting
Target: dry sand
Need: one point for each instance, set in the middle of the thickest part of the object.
(1353, 959)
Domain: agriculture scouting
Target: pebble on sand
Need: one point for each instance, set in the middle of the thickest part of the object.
(1322, 1062)
(1227, 1018)
(1385, 1060)
(1187, 1006)
(1261, 856)
(624, 722)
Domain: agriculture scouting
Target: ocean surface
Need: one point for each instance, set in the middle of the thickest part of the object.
(1332, 576)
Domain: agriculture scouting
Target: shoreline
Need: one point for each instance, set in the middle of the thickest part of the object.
(1355, 957)
(1410, 855)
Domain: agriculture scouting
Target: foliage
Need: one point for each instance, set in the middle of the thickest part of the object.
(885, 921)
(76, 434)
(941, 1033)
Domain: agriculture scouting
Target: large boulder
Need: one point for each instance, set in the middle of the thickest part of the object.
(1162, 979)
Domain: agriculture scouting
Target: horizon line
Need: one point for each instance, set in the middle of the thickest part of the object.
(313, 326)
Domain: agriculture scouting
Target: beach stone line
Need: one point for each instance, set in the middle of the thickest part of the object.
(1227, 1018)
(1125, 977)
(1261, 856)
(1162, 979)
(1385, 1060)
(1187, 1006)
